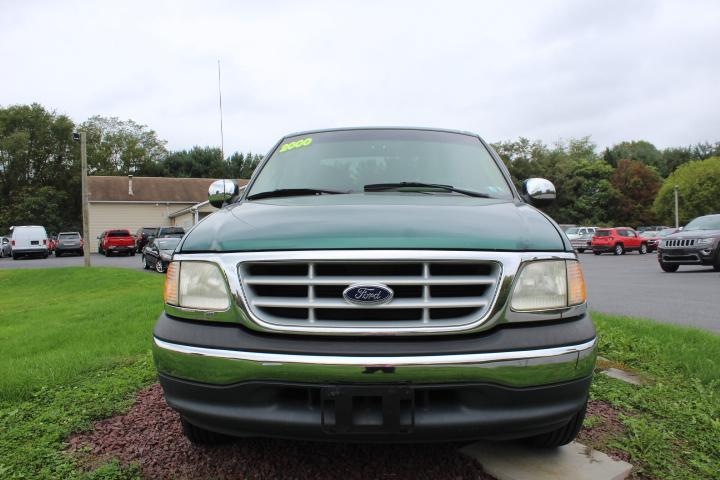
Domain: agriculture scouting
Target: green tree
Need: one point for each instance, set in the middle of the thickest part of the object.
(698, 184)
(37, 160)
(121, 147)
(639, 150)
(243, 165)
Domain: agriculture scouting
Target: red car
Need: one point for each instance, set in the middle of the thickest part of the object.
(116, 241)
(618, 240)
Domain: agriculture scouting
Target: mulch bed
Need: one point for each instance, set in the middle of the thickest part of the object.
(611, 427)
(149, 435)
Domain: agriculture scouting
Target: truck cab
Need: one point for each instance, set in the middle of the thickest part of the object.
(377, 284)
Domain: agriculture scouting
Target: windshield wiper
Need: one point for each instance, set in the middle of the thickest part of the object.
(378, 187)
(291, 192)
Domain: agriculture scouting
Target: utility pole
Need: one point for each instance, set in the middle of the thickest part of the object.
(222, 138)
(677, 220)
(85, 215)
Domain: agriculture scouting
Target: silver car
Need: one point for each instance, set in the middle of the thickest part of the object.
(69, 242)
(5, 247)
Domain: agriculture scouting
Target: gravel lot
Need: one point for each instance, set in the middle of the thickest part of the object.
(629, 284)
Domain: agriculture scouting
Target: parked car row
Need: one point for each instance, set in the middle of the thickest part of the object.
(33, 241)
(698, 243)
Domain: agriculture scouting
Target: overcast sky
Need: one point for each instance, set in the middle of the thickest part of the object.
(544, 70)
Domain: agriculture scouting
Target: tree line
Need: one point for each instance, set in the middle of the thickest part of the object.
(630, 183)
(40, 164)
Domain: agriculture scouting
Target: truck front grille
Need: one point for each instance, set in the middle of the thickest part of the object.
(430, 294)
(686, 242)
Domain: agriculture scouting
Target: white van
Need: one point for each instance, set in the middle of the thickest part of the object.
(29, 240)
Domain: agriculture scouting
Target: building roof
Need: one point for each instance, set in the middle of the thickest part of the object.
(150, 189)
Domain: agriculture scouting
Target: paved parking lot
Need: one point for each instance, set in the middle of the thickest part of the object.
(629, 284)
(634, 285)
(73, 261)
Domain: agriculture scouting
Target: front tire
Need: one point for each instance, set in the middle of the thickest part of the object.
(200, 436)
(596, 252)
(668, 267)
(159, 266)
(643, 249)
(563, 435)
(581, 250)
(619, 249)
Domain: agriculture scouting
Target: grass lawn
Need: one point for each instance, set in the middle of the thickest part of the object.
(74, 348)
(57, 324)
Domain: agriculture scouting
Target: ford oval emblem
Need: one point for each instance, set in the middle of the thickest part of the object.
(368, 294)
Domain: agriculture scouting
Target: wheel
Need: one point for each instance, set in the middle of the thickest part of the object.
(669, 267)
(145, 263)
(132, 254)
(619, 249)
(643, 249)
(57, 253)
(46, 255)
(201, 436)
(15, 257)
(561, 436)
(159, 266)
(581, 250)
(596, 252)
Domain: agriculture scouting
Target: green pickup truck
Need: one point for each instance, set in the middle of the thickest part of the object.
(377, 284)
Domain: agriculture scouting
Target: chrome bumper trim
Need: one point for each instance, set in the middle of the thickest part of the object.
(519, 368)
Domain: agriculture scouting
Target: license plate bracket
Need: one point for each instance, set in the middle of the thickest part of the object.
(367, 409)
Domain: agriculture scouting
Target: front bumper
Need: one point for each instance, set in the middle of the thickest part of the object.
(688, 256)
(454, 394)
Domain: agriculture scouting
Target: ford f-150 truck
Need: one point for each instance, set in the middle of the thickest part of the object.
(377, 284)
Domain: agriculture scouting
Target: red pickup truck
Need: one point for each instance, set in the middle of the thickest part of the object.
(116, 241)
(618, 241)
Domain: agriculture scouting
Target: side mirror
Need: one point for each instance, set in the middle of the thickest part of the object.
(538, 191)
(221, 191)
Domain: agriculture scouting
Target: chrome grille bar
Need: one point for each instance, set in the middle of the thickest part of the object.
(427, 293)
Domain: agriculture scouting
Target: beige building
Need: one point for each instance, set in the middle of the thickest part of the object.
(136, 202)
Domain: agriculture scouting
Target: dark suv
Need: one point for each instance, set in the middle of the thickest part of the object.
(696, 244)
(377, 284)
(170, 232)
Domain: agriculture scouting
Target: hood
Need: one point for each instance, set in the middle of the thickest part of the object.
(387, 220)
(694, 234)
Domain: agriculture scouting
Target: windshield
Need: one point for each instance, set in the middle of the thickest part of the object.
(168, 244)
(571, 231)
(119, 233)
(68, 236)
(346, 161)
(708, 222)
(666, 232)
(603, 233)
(648, 233)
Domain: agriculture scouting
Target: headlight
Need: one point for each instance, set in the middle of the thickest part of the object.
(704, 241)
(165, 257)
(549, 285)
(197, 285)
